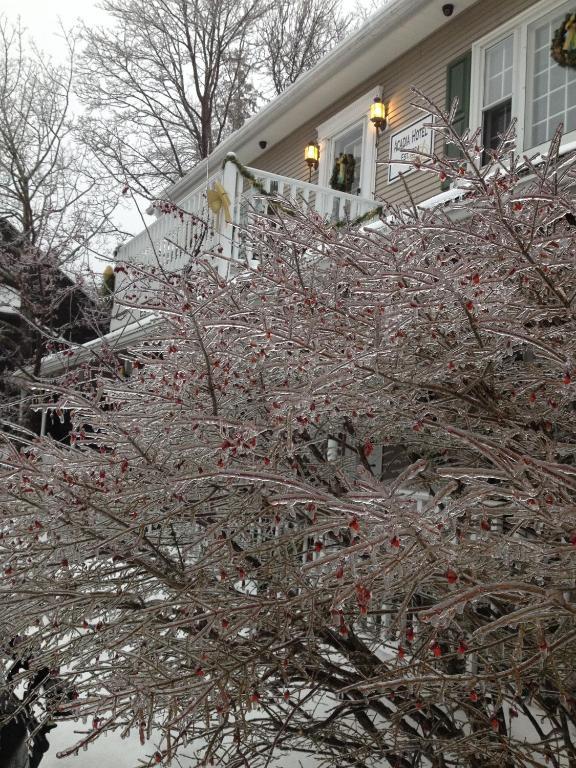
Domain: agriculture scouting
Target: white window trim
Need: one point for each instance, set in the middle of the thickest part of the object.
(518, 26)
(330, 130)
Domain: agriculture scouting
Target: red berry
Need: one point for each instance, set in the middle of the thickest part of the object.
(401, 652)
(451, 576)
(462, 648)
(567, 378)
(318, 546)
(354, 524)
(476, 278)
(410, 634)
(495, 724)
(436, 650)
(395, 542)
(473, 696)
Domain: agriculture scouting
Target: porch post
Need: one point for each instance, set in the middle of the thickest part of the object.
(230, 182)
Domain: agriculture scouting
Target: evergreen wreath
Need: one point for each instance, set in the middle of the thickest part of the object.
(563, 49)
(342, 177)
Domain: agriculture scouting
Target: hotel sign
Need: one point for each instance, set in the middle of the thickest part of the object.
(416, 137)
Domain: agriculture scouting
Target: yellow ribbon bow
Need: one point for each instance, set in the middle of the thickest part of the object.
(218, 200)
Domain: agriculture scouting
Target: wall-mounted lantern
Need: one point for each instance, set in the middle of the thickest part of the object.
(312, 156)
(378, 114)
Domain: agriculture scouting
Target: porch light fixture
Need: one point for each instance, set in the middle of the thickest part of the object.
(378, 114)
(312, 156)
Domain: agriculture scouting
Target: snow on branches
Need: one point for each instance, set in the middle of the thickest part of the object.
(332, 509)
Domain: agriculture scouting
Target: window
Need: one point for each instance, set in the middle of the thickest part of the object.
(513, 75)
(497, 97)
(550, 89)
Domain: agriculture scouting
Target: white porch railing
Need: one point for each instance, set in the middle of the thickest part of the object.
(169, 241)
(329, 203)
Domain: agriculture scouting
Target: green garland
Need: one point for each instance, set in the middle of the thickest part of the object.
(257, 184)
(563, 49)
(246, 174)
(373, 213)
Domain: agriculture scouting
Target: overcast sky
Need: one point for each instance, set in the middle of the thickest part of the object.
(41, 17)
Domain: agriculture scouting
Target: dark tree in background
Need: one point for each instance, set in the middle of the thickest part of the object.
(54, 208)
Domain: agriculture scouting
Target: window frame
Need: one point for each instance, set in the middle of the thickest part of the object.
(518, 28)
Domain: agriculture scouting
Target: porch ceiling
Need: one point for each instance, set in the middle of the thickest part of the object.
(397, 27)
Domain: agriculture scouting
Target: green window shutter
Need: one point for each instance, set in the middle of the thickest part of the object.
(458, 87)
